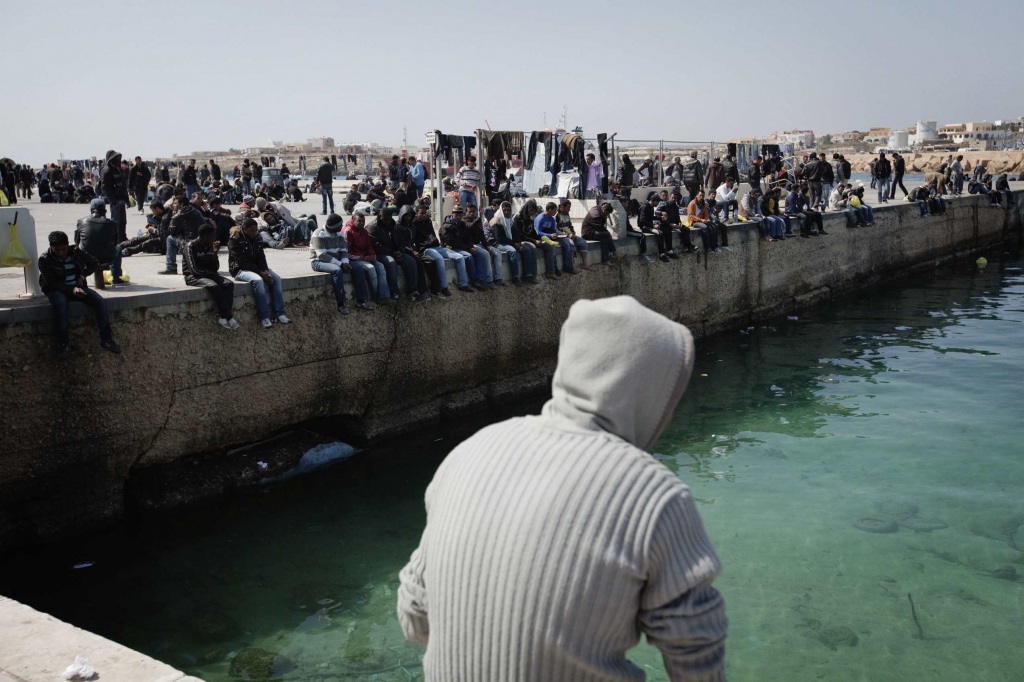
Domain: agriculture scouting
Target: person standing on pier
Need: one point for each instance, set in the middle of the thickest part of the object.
(882, 174)
(553, 541)
(899, 167)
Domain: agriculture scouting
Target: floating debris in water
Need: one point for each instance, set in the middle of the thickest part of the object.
(325, 602)
(83, 564)
(720, 450)
(262, 465)
(792, 318)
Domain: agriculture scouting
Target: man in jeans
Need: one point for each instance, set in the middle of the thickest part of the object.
(328, 252)
(248, 263)
(882, 175)
(363, 258)
(325, 176)
(899, 167)
(468, 180)
(138, 181)
(189, 178)
(62, 277)
(183, 227)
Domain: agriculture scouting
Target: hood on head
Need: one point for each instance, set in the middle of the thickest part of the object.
(529, 209)
(406, 214)
(622, 368)
(113, 158)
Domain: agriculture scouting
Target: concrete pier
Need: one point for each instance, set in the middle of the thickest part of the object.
(76, 430)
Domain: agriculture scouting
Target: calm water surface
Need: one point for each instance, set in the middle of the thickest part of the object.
(842, 461)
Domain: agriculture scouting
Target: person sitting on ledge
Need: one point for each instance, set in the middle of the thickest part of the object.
(62, 277)
(697, 213)
(362, 257)
(504, 242)
(525, 236)
(183, 227)
(550, 243)
(595, 228)
(481, 240)
(725, 199)
(248, 263)
(577, 244)
(812, 216)
(392, 243)
(857, 202)
(646, 225)
(200, 264)
(457, 237)
(670, 210)
(427, 248)
(328, 253)
(97, 236)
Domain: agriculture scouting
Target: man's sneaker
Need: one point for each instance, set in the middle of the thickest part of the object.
(672, 254)
(425, 296)
(363, 305)
(267, 324)
(63, 351)
(224, 323)
(726, 248)
(645, 259)
(531, 280)
(396, 297)
(716, 250)
(414, 296)
(168, 272)
(445, 293)
(233, 323)
(549, 275)
(498, 283)
(111, 346)
(479, 285)
(664, 258)
(342, 309)
(558, 273)
(517, 282)
(467, 289)
(822, 232)
(117, 281)
(283, 319)
(489, 286)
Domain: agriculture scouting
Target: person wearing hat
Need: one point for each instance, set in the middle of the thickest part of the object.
(96, 235)
(63, 270)
(328, 253)
(115, 191)
(457, 236)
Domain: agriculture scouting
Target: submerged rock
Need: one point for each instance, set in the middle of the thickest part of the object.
(775, 453)
(1006, 573)
(872, 525)
(255, 663)
(832, 636)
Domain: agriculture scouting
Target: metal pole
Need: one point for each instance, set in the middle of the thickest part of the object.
(438, 186)
(661, 158)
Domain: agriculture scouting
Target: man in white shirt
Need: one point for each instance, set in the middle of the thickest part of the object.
(725, 198)
(595, 173)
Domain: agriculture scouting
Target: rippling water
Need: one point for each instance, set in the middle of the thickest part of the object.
(842, 461)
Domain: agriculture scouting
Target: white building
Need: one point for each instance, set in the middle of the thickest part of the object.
(926, 131)
(800, 139)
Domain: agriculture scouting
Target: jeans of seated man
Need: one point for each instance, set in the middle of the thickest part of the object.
(59, 301)
(337, 278)
(259, 292)
(513, 260)
(174, 244)
(455, 257)
(410, 272)
(375, 275)
(478, 265)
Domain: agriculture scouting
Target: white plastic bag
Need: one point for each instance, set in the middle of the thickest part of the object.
(79, 670)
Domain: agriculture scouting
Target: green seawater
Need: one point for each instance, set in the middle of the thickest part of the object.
(898, 410)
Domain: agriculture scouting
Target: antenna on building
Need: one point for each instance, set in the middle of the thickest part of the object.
(405, 137)
(562, 120)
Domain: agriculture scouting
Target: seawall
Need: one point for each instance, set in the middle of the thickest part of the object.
(76, 430)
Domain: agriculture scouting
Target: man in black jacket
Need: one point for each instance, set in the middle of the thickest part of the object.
(115, 190)
(813, 173)
(138, 180)
(248, 263)
(392, 243)
(184, 226)
(96, 235)
(828, 178)
(325, 176)
(882, 173)
(62, 273)
(754, 174)
(899, 167)
(188, 176)
(200, 264)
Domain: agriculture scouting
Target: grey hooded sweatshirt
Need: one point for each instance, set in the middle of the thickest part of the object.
(553, 541)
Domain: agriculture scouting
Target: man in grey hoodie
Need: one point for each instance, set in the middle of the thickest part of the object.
(553, 541)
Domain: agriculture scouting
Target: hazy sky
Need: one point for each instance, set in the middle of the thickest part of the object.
(155, 78)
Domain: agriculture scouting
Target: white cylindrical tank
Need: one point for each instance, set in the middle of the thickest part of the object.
(898, 139)
(926, 131)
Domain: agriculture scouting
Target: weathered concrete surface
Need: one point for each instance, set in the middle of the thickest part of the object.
(37, 648)
(74, 430)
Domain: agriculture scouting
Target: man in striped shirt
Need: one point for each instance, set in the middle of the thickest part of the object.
(469, 180)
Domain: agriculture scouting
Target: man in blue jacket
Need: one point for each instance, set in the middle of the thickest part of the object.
(418, 175)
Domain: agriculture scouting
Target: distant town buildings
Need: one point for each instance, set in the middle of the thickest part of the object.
(800, 139)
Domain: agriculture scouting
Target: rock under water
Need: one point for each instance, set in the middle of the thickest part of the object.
(873, 525)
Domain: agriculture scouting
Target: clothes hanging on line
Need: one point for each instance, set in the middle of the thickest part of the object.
(602, 148)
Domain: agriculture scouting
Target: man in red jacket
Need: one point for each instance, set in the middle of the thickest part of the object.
(362, 255)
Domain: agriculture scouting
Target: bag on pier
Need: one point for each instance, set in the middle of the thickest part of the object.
(14, 254)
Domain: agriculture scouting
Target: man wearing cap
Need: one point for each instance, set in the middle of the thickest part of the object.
(457, 236)
(62, 277)
(115, 191)
(97, 236)
(328, 253)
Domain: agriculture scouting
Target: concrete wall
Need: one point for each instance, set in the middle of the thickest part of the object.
(74, 430)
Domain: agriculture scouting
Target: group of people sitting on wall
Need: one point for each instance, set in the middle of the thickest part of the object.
(390, 228)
